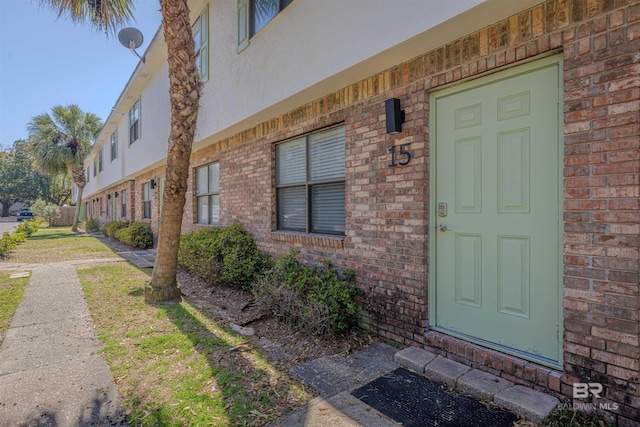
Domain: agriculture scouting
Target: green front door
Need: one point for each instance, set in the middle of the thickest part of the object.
(496, 214)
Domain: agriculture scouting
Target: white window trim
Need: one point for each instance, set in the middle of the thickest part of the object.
(203, 21)
(208, 194)
(113, 145)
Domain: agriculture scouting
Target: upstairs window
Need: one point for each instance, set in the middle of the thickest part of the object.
(253, 15)
(263, 11)
(100, 159)
(310, 187)
(200, 30)
(208, 194)
(88, 174)
(114, 145)
(95, 166)
(146, 200)
(134, 122)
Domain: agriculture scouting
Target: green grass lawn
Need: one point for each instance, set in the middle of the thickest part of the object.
(174, 365)
(11, 291)
(55, 244)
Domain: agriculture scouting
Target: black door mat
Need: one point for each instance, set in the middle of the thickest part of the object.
(416, 401)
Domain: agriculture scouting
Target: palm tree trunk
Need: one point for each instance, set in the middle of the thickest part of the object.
(76, 213)
(77, 175)
(184, 95)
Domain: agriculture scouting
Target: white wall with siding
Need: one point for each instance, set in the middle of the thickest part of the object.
(311, 48)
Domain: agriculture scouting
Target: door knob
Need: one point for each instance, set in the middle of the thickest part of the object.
(443, 227)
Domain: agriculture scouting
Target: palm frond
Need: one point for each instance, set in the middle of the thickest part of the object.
(62, 140)
(105, 15)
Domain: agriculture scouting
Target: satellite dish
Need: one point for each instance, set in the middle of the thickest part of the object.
(131, 38)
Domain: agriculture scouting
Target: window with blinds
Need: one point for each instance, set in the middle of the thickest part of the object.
(208, 194)
(310, 183)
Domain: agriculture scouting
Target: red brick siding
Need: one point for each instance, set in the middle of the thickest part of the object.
(387, 208)
(98, 209)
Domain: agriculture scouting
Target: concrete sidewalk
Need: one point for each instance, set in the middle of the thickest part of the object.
(50, 374)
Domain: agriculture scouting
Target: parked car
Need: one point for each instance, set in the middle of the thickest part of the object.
(25, 215)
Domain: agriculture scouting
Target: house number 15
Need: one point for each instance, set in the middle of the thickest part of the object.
(403, 152)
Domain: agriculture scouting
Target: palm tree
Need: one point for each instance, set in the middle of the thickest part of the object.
(184, 96)
(61, 142)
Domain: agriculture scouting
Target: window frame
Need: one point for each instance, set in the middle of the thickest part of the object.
(282, 4)
(203, 51)
(146, 203)
(114, 145)
(245, 29)
(135, 124)
(208, 195)
(308, 185)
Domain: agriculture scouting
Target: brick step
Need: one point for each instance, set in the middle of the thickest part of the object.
(531, 404)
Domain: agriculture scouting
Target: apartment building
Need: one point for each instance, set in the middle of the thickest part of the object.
(475, 161)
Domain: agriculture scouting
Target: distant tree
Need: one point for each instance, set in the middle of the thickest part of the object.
(62, 140)
(60, 189)
(19, 179)
(184, 98)
(46, 211)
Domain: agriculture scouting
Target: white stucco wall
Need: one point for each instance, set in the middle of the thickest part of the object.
(312, 48)
(155, 120)
(315, 47)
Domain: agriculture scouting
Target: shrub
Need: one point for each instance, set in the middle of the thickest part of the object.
(18, 237)
(315, 300)
(110, 228)
(6, 245)
(222, 255)
(46, 211)
(27, 228)
(92, 225)
(138, 235)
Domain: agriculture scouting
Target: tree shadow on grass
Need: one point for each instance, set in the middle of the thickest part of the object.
(253, 392)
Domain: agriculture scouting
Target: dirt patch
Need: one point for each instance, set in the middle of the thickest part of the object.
(236, 308)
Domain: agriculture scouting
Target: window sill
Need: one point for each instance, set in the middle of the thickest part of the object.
(314, 240)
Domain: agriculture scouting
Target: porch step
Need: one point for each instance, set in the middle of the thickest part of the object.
(531, 404)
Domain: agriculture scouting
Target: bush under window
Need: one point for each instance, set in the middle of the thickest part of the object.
(315, 300)
(222, 255)
(138, 235)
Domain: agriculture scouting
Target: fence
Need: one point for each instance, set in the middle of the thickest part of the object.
(66, 216)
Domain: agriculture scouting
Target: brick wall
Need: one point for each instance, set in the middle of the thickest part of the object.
(602, 166)
(101, 207)
(386, 237)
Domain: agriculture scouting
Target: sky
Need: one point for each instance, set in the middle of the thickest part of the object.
(47, 61)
